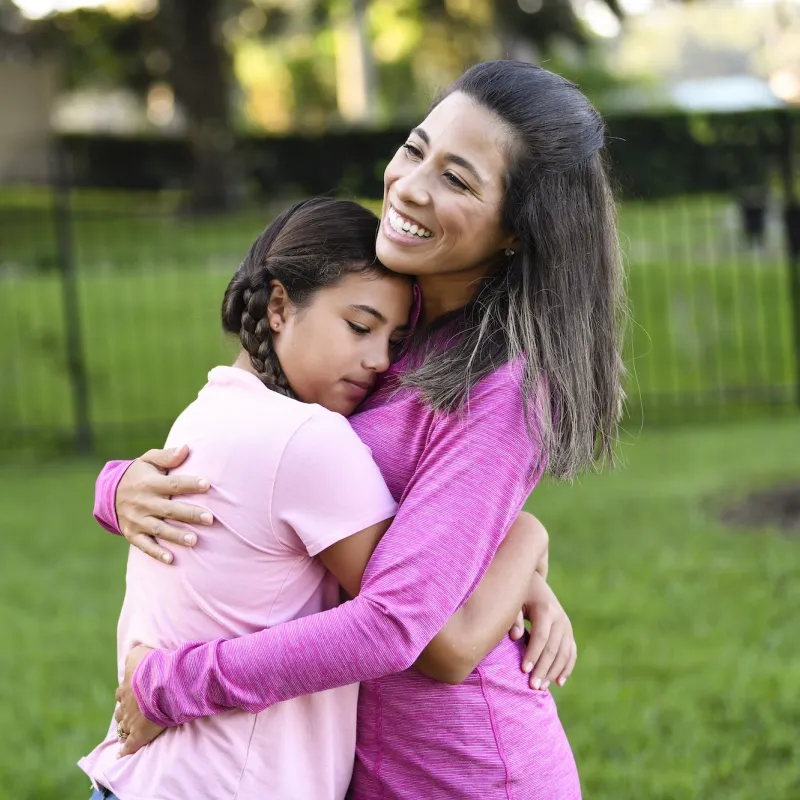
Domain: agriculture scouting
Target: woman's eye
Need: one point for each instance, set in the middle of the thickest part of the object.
(359, 329)
(412, 150)
(454, 181)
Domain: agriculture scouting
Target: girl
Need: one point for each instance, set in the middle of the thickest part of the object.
(499, 204)
(318, 319)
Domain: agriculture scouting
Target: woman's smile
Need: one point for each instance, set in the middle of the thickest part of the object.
(401, 230)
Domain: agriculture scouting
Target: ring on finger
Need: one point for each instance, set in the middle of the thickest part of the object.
(121, 734)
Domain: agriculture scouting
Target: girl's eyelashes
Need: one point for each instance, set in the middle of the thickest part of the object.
(412, 150)
(361, 330)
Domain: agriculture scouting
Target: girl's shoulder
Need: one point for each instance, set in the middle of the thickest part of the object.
(328, 429)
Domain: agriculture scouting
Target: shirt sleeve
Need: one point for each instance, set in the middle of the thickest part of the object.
(327, 486)
(472, 479)
(105, 493)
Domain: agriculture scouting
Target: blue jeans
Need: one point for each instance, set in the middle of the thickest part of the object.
(103, 794)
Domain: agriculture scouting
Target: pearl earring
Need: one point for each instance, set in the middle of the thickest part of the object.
(276, 325)
(509, 252)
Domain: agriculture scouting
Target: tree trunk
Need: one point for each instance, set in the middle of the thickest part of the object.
(201, 71)
(355, 70)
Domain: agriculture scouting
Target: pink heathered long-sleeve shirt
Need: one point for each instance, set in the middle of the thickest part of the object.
(460, 483)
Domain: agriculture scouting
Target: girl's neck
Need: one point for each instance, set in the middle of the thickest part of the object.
(243, 362)
(444, 293)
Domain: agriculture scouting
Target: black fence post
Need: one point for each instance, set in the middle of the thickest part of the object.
(76, 364)
(791, 219)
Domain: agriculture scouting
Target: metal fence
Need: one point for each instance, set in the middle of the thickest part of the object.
(109, 312)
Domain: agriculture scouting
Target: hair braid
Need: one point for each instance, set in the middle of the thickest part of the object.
(256, 339)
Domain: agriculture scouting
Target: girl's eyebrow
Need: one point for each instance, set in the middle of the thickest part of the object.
(369, 310)
(377, 314)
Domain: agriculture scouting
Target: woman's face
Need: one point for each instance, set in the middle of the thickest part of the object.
(333, 349)
(443, 193)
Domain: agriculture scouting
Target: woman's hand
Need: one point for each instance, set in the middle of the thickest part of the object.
(133, 728)
(143, 502)
(551, 652)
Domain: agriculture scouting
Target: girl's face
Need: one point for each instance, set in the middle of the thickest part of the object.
(333, 349)
(443, 194)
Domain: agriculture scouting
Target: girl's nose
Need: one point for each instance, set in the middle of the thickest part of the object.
(378, 359)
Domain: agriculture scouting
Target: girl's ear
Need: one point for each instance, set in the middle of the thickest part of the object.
(279, 307)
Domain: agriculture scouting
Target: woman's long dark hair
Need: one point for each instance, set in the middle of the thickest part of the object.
(311, 245)
(558, 302)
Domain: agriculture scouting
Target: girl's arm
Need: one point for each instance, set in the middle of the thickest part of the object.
(469, 486)
(453, 653)
(492, 609)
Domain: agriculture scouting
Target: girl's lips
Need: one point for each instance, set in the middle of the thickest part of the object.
(357, 390)
(390, 233)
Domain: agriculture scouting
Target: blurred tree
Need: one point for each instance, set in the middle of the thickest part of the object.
(200, 69)
(358, 61)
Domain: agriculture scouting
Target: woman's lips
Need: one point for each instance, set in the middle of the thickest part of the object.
(390, 233)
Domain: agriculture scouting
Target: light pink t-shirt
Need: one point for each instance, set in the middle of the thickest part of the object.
(288, 479)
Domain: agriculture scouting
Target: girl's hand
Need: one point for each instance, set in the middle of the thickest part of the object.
(551, 652)
(134, 729)
(143, 502)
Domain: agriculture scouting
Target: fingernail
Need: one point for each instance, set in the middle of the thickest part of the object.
(561, 681)
(206, 518)
(190, 538)
(516, 631)
(166, 557)
(527, 666)
(545, 685)
(203, 483)
(537, 682)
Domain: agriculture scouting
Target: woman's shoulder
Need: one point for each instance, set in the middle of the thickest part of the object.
(501, 389)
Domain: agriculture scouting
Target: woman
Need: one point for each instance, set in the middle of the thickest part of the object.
(499, 204)
(299, 506)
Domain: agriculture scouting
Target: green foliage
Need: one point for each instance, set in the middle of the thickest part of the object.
(686, 683)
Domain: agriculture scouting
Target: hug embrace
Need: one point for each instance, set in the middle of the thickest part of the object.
(344, 618)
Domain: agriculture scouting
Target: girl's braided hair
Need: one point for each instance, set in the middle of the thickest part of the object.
(311, 245)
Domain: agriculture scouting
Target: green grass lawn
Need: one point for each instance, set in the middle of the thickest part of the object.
(686, 685)
(708, 318)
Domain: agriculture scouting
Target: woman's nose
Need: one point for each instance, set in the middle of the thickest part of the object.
(412, 188)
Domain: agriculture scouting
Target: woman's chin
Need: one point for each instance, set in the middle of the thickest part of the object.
(394, 258)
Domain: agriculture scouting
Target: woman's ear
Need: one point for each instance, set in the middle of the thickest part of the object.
(279, 307)
(511, 244)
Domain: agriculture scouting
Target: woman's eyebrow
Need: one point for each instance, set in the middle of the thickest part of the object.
(462, 162)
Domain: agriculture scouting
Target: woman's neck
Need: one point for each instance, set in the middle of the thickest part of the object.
(442, 294)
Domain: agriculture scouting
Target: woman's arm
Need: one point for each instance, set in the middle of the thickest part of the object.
(469, 486)
(133, 498)
(492, 609)
(488, 615)
(135, 491)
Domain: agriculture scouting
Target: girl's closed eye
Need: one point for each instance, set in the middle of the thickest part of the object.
(361, 330)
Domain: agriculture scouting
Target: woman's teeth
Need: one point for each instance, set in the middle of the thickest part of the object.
(402, 225)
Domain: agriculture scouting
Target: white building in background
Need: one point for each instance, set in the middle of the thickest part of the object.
(28, 89)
